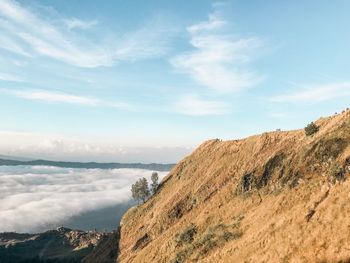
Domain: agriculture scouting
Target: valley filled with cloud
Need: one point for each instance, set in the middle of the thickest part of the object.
(37, 198)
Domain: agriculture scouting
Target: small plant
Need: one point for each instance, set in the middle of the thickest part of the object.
(197, 246)
(337, 173)
(187, 235)
(310, 129)
(180, 257)
(247, 183)
(216, 236)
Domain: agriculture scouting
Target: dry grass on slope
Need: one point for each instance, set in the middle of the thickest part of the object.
(275, 197)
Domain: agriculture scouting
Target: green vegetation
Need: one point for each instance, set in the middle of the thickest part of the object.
(337, 173)
(310, 129)
(247, 183)
(140, 190)
(216, 236)
(187, 235)
(196, 246)
(154, 184)
(180, 257)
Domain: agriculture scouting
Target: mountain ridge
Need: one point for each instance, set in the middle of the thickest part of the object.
(279, 196)
(88, 165)
(261, 199)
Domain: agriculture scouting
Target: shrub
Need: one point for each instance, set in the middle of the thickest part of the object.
(198, 246)
(337, 173)
(247, 183)
(311, 129)
(187, 235)
(179, 258)
(216, 236)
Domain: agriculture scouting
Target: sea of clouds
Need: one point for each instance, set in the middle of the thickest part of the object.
(34, 198)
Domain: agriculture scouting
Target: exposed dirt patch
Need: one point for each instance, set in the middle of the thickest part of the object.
(141, 242)
(180, 208)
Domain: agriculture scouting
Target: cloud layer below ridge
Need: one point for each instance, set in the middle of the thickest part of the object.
(34, 198)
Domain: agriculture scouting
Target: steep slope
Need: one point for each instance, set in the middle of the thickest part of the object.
(275, 197)
(61, 245)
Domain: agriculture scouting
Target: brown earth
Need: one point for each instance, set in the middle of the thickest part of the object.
(275, 197)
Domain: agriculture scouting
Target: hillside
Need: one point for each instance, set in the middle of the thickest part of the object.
(276, 197)
(61, 245)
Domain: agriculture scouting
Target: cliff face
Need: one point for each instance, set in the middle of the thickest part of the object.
(275, 197)
(106, 250)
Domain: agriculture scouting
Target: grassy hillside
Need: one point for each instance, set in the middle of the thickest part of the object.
(275, 197)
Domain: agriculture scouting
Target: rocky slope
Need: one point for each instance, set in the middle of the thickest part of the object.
(275, 197)
(61, 245)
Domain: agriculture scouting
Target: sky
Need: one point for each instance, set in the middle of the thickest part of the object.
(150, 80)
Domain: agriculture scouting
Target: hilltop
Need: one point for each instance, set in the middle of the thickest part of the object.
(280, 196)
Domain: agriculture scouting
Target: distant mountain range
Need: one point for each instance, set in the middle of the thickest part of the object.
(7, 160)
(10, 157)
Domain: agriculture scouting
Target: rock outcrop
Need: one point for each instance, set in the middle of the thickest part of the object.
(60, 245)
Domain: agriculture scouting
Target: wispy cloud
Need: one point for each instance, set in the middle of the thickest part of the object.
(152, 40)
(59, 97)
(214, 22)
(49, 96)
(75, 23)
(12, 45)
(316, 93)
(9, 77)
(193, 105)
(31, 34)
(219, 60)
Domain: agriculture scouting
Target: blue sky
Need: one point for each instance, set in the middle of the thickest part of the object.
(150, 80)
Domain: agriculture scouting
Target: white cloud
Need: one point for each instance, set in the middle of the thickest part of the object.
(60, 97)
(195, 106)
(149, 41)
(11, 45)
(316, 93)
(36, 198)
(49, 96)
(33, 35)
(214, 22)
(74, 23)
(219, 59)
(9, 77)
(66, 148)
